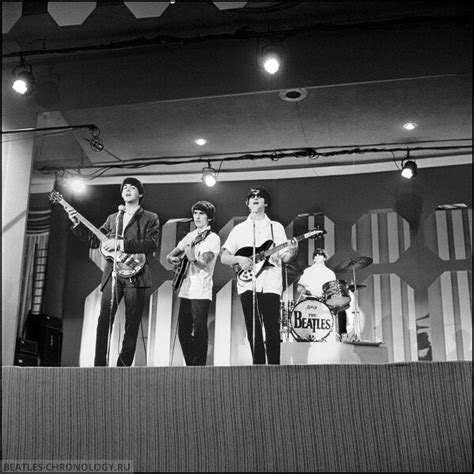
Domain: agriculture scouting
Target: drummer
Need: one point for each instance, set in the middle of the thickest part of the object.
(314, 277)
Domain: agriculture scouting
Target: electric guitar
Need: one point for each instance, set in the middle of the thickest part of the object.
(263, 252)
(128, 265)
(182, 268)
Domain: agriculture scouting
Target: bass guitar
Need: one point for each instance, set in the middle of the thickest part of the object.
(128, 265)
(263, 252)
(182, 268)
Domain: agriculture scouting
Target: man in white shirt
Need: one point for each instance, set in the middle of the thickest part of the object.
(200, 248)
(238, 253)
(314, 277)
(312, 281)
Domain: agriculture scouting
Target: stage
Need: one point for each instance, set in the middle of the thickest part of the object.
(291, 418)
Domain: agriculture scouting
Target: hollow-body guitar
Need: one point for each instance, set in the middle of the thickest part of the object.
(128, 265)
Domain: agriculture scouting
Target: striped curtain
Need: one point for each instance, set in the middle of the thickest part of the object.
(37, 237)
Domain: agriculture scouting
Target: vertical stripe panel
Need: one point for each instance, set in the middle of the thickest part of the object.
(163, 318)
(89, 325)
(397, 319)
(151, 329)
(311, 242)
(448, 315)
(223, 324)
(375, 237)
(393, 252)
(378, 330)
(442, 235)
(354, 237)
(330, 237)
(465, 314)
(406, 234)
(458, 235)
(469, 218)
(412, 324)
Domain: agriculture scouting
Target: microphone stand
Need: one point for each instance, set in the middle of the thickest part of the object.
(114, 287)
(254, 286)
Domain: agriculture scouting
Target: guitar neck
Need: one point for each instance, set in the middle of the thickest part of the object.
(267, 253)
(88, 224)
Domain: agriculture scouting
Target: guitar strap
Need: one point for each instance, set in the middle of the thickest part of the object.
(201, 237)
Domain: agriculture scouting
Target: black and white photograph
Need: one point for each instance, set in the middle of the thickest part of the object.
(237, 236)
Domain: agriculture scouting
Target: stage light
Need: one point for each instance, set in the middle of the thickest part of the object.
(271, 59)
(96, 142)
(209, 177)
(409, 169)
(77, 184)
(409, 126)
(23, 80)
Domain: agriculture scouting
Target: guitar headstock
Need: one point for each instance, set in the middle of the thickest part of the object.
(316, 232)
(55, 196)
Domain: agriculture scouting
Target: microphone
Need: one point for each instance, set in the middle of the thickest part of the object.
(121, 210)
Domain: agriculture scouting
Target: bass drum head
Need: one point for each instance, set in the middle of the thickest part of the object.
(311, 320)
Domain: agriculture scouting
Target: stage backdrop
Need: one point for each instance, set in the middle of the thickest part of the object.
(417, 295)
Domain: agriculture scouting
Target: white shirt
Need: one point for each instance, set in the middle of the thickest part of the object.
(197, 285)
(315, 276)
(270, 279)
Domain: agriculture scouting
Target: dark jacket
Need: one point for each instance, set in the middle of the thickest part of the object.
(141, 236)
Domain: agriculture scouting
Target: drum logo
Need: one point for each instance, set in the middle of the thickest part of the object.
(311, 321)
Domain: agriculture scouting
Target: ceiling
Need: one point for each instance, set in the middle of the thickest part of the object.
(357, 97)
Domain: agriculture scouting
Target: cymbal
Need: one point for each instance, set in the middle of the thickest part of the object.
(351, 287)
(355, 263)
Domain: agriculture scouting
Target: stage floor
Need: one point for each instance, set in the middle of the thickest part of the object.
(332, 352)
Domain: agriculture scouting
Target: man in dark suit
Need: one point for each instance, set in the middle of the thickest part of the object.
(138, 233)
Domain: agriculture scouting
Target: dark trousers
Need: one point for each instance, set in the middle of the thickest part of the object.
(267, 310)
(192, 330)
(134, 299)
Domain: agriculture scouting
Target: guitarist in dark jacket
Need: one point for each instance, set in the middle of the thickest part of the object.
(138, 233)
(195, 258)
(268, 280)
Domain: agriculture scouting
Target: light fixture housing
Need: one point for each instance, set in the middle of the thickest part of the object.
(209, 177)
(409, 169)
(24, 82)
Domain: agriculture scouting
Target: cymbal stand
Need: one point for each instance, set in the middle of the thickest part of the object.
(357, 333)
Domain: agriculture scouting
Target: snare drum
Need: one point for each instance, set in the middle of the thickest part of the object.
(336, 295)
(311, 320)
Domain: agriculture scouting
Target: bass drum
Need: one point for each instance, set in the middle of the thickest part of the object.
(311, 320)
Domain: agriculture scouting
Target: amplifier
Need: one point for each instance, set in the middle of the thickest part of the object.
(25, 360)
(25, 346)
(34, 321)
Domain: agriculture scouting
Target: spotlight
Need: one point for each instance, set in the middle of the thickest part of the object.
(77, 184)
(23, 80)
(209, 177)
(271, 59)
(409, 169)
(409, 126)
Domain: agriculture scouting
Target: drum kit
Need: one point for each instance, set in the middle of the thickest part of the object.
(312, 319)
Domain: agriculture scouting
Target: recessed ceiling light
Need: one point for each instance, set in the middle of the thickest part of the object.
(409, 126)
(200, 141)
(293, 95)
